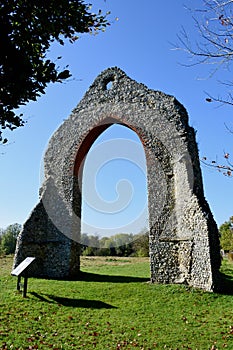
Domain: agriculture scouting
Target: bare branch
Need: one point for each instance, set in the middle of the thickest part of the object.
(214, 22)
(219, 99)
(226, 170)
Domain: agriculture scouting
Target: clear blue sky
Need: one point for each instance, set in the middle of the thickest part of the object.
(140, 44)
(114, 186)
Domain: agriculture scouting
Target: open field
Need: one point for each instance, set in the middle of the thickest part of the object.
(113, 308)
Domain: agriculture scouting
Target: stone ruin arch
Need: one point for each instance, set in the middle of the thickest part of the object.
(184, 241)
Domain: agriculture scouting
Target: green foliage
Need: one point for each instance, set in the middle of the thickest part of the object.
(27, 30)
(2, 252)
(89, 251)
(226, 232)
(141, 244)
(121, 244)
(8, 239)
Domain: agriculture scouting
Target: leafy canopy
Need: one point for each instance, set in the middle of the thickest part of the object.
(27, 30)
(226, 232)
(8, 239)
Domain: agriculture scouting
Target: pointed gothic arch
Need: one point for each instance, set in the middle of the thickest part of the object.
(184, 243)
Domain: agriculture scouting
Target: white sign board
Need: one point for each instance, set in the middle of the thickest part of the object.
(22, 266)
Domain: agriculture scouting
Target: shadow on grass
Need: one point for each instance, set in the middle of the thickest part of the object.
(71, 302)
(94, 277)
(226, 284)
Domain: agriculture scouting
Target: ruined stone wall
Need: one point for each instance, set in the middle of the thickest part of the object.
(184, 244)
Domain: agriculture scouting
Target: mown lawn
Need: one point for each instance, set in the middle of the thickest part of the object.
(113, 308)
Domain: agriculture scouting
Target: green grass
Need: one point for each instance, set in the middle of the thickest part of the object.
(113, 308)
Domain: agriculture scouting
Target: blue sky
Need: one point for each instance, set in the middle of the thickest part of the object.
(140, 43)
(114, 186)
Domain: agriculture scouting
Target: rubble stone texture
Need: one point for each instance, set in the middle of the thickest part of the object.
(184, 241)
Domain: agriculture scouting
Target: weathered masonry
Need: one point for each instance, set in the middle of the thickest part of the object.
(184, 243)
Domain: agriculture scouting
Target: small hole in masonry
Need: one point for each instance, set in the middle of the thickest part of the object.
(109, 85)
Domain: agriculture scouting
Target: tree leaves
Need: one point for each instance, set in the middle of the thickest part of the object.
(27, 29)
(226, 232)
(63, 75)
(8, 238)
(121, 244)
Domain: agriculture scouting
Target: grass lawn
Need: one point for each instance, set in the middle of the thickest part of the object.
(113, 308)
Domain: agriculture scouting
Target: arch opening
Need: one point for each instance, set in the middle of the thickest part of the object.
(113, 188)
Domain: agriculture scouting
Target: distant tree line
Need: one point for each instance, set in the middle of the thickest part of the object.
(121, 244)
